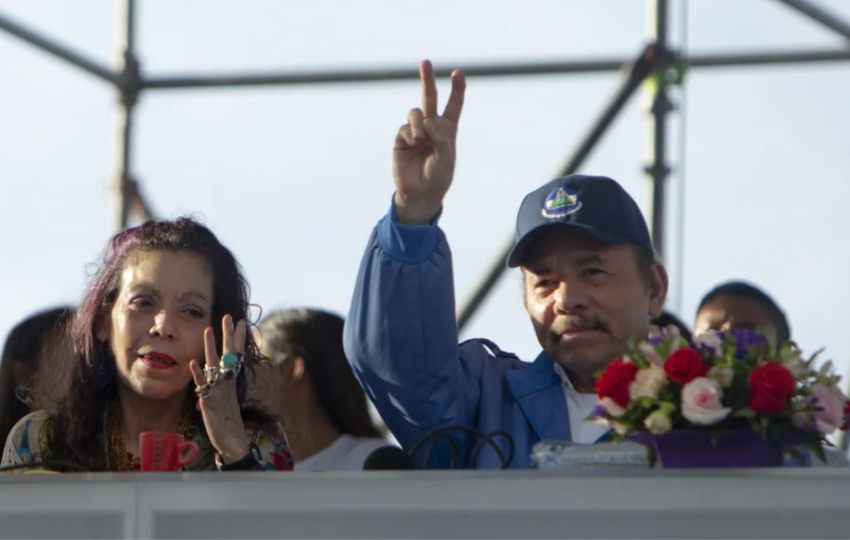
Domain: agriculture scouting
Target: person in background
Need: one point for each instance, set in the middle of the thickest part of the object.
(160, 340)
(591, 282)
(309, 386)
(25, 345)
(737, 304)
(667, 318)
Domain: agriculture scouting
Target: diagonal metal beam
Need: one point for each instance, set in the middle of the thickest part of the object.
(641, 69)
(57, 49)
(818, 14)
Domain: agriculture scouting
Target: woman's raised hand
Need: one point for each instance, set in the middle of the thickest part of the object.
(424, 150)
(217, 401)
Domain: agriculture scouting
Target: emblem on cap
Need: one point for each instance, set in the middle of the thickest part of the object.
(562, 202)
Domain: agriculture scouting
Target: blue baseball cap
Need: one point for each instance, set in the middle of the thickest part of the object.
(595, 205)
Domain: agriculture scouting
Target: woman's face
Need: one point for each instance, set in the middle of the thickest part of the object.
(157, 323)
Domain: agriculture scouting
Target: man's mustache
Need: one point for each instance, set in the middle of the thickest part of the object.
(562, 325)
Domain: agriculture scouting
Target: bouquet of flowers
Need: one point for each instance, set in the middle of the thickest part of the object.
(722, 380)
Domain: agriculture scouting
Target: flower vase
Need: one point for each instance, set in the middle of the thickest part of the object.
(694, 448)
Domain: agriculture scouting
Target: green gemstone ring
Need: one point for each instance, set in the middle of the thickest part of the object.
(230, 360)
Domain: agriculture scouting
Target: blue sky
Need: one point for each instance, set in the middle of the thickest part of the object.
(293, 178)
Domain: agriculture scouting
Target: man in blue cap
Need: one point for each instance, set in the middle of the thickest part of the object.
(591, 282)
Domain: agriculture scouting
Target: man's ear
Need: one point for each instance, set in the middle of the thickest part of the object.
(293, 370)
(658, 284)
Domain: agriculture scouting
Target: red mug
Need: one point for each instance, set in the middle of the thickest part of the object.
(164, 451)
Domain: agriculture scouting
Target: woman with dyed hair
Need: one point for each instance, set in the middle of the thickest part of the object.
(160, 340)
(310, 387)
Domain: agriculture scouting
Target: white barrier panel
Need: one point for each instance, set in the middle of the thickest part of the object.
(774, 503)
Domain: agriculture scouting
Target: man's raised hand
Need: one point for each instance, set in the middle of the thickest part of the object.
(424, 150)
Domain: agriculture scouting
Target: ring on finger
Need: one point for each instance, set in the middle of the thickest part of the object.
(227, 373)
(212, 374)
(232, 363)
(231, 360)
(204, 391)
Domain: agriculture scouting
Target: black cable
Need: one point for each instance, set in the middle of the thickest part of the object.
(47, 464)
(434, 440)
(442, 432)
(488, 439)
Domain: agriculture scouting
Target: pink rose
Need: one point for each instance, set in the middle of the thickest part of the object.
(701, 402)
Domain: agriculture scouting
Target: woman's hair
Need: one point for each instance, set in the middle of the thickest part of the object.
(77, 413)
(25, 344)
(316, 336)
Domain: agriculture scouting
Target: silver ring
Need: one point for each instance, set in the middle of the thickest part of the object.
(226, 373)
(204, 391)
(212, 374)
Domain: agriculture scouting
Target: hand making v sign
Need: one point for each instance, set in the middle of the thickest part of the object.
(424, 150)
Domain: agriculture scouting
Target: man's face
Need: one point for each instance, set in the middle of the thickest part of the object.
(586, 299)
(726, 311)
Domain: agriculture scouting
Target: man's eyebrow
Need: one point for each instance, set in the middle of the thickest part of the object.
(590, 258)
(539, 269)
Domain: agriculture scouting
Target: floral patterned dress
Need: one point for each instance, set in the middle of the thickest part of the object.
(29, 441)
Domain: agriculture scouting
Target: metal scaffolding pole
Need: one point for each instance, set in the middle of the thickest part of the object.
(658, 169)
(602, 65)
(129, 85)
(820, 15)
(60, 51)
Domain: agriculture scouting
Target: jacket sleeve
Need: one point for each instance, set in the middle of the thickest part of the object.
(401, 333)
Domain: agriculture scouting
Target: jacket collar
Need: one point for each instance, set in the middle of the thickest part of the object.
(537, 389)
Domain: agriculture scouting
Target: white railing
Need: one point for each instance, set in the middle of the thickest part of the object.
(776, 503)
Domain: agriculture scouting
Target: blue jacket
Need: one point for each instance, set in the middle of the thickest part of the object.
(401, 339)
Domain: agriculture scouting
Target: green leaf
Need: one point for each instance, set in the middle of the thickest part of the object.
(817, 450)
(651, 457)
(667, 407)
(746, 412)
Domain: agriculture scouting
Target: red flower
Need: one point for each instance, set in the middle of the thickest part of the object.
(771, 386)
(684, 365)
(615, 380)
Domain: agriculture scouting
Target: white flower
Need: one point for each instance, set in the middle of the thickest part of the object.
(620, 427)
(611, 407)
(711, 340)
(658, 422)
(648, 382)
(801, 415)
(701, 402)
(650, 354)
(678, 342)
(723, 375)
